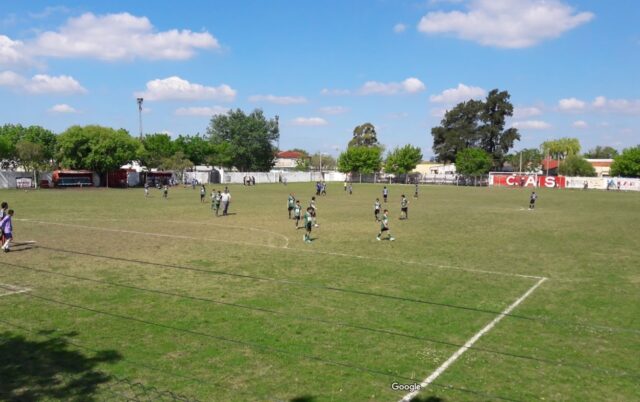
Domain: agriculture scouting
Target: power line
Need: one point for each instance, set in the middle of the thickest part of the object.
(541, 320)
(607, 371)
(253, 345)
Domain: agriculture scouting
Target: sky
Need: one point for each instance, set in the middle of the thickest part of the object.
(572, 67)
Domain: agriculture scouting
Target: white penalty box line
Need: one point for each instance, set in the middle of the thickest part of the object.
(456, 355)
(285, 247)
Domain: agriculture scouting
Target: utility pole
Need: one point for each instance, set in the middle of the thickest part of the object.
(278, 130)
(140, 100)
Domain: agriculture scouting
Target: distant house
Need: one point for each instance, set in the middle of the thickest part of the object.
(602, 166)
(287, 160)
(550, 166)
(434, 168)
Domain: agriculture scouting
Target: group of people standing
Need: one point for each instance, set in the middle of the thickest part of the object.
(248, 181)
(293, 206)
(219, 200)
(294, 209)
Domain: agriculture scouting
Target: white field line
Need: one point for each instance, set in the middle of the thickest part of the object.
(285, 238)
(470, 343)
(286, 247)
(6, 292)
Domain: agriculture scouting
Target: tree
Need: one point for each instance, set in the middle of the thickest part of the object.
(627, 164)
(364, 135)
(493, 137)
(156, 148)
(600, 152)
(476, 124)
(473, 162)
(96, 148)
(11, 135)
(531, 158)
(195, 148)
(250, 138)
(561, 148)
(321, 161)
(360, 160)
(576, 165)
(458, 130)
(303, 163)
(403, 160)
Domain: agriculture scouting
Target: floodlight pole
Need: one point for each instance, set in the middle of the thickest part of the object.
(278, 129)
(140, 100)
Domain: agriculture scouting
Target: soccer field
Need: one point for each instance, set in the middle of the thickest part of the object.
(480, 298)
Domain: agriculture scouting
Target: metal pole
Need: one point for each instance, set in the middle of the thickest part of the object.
(140, 100)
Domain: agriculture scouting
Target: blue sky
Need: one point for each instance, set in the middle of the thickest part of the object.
(571, 67)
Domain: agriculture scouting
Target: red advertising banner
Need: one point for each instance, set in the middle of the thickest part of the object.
(515, 180)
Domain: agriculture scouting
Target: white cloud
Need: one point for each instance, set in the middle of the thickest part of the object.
(571, 105)
(12, 52)
(11, 79)
(399, 28)
(201, 111)
(531, 125)
(580, 124)
(623, 106)
(44, 84)
(336, 92)
(117, 37)
(506, 23)
(279, 100)
(309, 121)
(334, 109)
(456, 95)
(62, 108)
(409, 86)
(525, 112)
(176, 88)
(601, 104)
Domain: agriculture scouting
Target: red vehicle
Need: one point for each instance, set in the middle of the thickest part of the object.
(72, 178)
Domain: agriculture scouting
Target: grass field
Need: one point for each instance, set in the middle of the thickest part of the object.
(121, 289)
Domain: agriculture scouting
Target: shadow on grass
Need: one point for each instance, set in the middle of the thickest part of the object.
(32, 370)
(303, 398)
(427, 399)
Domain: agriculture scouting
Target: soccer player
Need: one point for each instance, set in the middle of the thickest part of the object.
(532, 200)
(291, 202)
(350, 189)
(203, 193)
(165, 192)
(384, 226)
(324, 188)
(225, 198)
(216, 202)
(376, 209)
(415, 194)
(308, 224)
(4, 207)
(296, 213)
(404, 208)
(6, 225)
(146, 190)
(314, 210)
(385, 193)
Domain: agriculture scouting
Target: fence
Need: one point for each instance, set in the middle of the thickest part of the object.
(279, 177)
